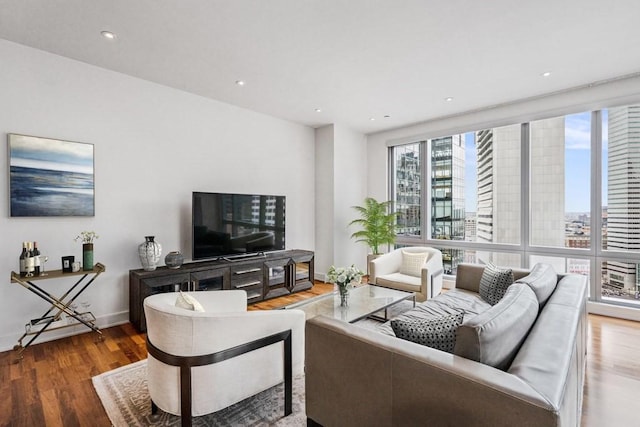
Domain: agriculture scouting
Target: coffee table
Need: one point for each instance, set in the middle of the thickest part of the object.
(364, 301)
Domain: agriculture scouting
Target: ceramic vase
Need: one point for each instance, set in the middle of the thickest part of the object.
(174, 259)
(149, 252)
(87, 256)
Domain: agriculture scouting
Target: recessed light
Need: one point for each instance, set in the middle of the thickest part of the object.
(240, 82)
(546, 74)
(318, 110)
(108, 35)
(372, 118)
(448, 99)
(386, 116)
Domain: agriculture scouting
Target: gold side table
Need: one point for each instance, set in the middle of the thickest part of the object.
(50, 320)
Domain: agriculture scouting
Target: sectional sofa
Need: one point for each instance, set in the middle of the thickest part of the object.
(518, 362)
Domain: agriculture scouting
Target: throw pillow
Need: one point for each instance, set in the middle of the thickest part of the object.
(412, 263)
(494, 283)
(436, 332)
(188, 302)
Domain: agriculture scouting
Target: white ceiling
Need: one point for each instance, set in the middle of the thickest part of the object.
(354, 59)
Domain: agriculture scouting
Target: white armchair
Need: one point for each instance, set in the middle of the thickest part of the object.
(220, 356)
(394, 270)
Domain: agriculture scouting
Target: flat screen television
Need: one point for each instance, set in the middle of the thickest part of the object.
(228, 225)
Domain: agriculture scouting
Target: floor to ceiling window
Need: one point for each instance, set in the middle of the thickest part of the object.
(563, 190)
(621, 204)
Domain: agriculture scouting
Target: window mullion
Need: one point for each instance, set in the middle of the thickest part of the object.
(525, 199)
(596, 206)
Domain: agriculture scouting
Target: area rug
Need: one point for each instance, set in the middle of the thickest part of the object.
(125, 397)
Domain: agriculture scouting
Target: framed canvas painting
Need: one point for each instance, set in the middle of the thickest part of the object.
(50, 177)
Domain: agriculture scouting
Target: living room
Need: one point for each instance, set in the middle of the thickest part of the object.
(155, 144)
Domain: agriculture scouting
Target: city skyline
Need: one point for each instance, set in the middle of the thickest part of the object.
(577, 164)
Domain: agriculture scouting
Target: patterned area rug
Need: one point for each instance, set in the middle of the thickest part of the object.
(125, 398)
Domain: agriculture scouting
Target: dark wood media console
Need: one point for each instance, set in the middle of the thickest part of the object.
(262, 277)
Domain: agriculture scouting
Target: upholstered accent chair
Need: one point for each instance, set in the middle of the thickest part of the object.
(202, 361)
(415, 269)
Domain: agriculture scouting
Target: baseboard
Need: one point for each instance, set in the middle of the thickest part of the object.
(609, 310)
(7, 342)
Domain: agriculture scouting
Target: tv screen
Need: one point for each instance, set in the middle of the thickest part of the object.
(226, 225)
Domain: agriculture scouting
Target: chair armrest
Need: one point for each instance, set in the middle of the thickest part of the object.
(432, 274)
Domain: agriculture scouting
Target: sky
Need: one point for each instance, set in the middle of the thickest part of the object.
(51, 154)
(577, 164)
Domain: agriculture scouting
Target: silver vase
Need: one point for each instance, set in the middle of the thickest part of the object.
(149, 252)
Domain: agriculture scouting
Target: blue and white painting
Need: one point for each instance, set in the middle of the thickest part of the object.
(49, 177)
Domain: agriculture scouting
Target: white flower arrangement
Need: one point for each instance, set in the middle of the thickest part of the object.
(344, 277)
(87, 236)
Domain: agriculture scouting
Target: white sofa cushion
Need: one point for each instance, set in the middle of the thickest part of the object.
(400, 281)
(412, 263)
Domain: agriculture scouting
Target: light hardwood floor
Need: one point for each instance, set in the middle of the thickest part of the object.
(52, 385)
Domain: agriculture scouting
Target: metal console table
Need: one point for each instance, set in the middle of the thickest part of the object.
(53, 317)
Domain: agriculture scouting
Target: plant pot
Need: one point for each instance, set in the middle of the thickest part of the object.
(371, 257)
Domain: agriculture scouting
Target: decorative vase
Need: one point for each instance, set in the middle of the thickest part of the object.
(343, 291)
(149, 252)
(87, 256)
(174, 259)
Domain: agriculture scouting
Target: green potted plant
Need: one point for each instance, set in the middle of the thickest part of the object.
(378, 226)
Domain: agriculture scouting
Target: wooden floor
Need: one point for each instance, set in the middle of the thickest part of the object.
(52, 385)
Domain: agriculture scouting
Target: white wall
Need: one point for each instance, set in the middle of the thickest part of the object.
(340, 184)
(153, 147)
(350, 173)
(324, 200)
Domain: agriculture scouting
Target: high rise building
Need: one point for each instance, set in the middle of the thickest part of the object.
(499, 188)
(447, 195)
(623, 191)
(407, 186)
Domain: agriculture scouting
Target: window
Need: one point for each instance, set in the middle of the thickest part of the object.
(621, 202)
(407, 185)
(560, 181)
(479, 182)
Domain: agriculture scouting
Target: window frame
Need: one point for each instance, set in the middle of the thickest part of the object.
(595, 254)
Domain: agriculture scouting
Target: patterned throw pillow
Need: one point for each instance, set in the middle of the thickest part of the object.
(412, 263)
(435, 332)
(494, 283)
(188, 302)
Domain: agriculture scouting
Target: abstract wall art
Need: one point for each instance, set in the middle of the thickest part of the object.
(50, 177)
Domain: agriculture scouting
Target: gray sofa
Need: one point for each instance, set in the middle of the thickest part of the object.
(519, 362)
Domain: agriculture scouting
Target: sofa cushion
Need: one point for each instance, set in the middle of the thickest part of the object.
(494, 336)
(412, 263)
(400, 281)
(542, 280)
(435, 332)
(188, 302)
(453, 301)
(494, 283)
